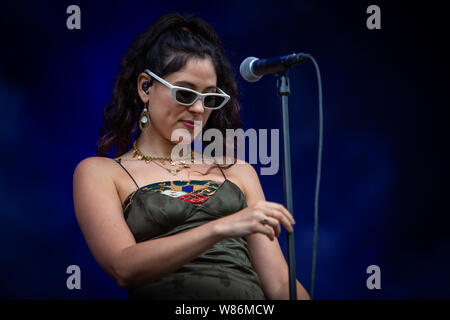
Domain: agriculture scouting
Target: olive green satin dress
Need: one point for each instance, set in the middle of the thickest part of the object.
(170, 207)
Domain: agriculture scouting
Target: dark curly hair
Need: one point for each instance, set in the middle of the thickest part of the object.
(165, 47)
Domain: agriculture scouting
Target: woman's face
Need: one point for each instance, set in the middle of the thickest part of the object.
(166, 115)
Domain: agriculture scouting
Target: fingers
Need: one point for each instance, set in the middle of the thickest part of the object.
(271, 233)
(279, 212)
(266, 218)
(266, 225)
(282, 209)
(274, 223)
(268, 231)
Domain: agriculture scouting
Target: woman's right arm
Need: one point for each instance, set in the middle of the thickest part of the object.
(99, 214)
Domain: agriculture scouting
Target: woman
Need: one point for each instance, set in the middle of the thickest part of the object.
(164, 228)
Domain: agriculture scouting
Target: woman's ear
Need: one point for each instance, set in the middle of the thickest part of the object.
(145, 86)
(144, 82)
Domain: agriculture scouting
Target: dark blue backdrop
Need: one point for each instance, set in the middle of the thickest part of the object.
(383, 184)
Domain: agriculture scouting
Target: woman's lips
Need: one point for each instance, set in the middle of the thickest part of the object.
(189, 124)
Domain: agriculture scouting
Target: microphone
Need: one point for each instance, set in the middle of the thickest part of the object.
(252, 69)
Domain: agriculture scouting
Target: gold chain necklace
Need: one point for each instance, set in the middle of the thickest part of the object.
(172, 171)
(149, 159)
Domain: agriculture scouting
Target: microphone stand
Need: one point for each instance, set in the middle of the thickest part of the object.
(283, 92)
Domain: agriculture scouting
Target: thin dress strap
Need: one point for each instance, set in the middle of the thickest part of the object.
(118, 161)
(221, 171)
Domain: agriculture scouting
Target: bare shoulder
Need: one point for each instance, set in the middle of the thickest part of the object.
(94, 187)
(95, 170)
(247, 177)
(244, 169)
(93, 165)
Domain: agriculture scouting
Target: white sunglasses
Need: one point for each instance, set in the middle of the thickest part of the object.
(187, 97)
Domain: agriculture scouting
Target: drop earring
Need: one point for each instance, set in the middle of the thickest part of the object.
(144, 119)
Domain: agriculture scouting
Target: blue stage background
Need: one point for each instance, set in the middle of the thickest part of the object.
(383, 184)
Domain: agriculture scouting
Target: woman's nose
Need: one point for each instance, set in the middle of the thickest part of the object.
(197, 107)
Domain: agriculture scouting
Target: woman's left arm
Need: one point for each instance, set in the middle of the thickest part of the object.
(266, 256)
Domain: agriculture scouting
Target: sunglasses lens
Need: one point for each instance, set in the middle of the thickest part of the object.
(213, 102)
(185, 96)
(188, 97)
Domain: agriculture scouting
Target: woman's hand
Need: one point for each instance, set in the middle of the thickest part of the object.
(263, 217)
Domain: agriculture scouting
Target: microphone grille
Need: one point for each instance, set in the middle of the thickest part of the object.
(246, 70)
